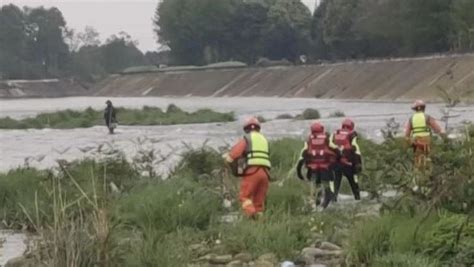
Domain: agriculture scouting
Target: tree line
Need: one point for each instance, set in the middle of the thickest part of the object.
(205, 31)
(36, 43)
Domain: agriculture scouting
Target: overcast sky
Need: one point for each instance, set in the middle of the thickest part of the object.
(132, 16)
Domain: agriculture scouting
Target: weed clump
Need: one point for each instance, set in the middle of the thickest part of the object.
(446, 239)
(198, 162)
(261, 119)
(337, 114)
(169, 205)
(309, 114)
(284, 117)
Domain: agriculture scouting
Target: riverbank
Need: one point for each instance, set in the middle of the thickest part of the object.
(112, 212)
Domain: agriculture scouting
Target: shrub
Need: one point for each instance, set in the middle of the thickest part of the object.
(337, 114)
(172, 108)
(470, 130)
(197, 162)
(450, 240)
(261, 119)
(284, 117)
(309, 114)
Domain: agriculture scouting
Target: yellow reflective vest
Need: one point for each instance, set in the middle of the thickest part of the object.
(419, 125)
(257, 152)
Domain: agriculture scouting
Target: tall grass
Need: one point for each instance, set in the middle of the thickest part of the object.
(284, 154)
(77, 230)
(440, 239)
(168, 205)
(25, 187)
(281, 233)
(68, 119)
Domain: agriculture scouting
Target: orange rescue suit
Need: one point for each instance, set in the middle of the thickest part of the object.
(254, 183)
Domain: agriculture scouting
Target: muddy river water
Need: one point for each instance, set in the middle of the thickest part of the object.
(41, 148)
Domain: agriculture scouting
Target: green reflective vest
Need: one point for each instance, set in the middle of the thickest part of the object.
(257, 152)
(419, 125)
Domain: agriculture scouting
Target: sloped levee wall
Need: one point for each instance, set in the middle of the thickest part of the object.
(42, 88)
(396, 79)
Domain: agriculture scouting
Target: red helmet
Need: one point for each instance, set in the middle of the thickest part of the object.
(418, 104)
(251, 124)
(317, 127)
(348, 124)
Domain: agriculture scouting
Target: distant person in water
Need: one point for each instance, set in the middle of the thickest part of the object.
(109, 117)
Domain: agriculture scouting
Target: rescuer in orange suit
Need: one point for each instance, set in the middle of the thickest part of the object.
(418, 133)
(252, 151)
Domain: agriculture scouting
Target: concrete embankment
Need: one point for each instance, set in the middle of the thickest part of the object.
(395, 79)
(42, 88)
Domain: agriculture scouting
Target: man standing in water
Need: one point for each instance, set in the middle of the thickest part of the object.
(109, 117)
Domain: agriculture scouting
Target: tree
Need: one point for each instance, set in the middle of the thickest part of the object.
(246, 28)
(46, 46)
(463, 20)
(288, 30)
(427, 26)
(89, 37)
(88, 63)
(373, 28)
(196, 31)
(13, 40)
(120, 52)
(332, 28)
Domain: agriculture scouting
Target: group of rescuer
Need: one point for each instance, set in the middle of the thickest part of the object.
(326, 158)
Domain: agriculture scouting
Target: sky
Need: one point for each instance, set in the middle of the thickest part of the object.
(132, 16)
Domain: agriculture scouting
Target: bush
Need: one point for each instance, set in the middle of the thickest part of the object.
(284, 117)
(337, 114)
(261, 119)
(197, 162)
(450, 240)
(172, 108)
(470, 130)
(309, 114)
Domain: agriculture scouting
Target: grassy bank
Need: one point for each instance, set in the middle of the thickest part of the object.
(104, 213)
(146, 116)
